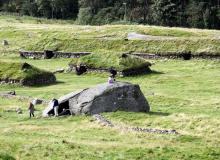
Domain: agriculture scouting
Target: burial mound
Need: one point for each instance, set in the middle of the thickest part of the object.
(125, 64)
(24, 74)
(103, 98)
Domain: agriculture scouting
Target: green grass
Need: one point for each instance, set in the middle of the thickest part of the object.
(108, 60)
(20, 71)
(183, 95)
(28, 35)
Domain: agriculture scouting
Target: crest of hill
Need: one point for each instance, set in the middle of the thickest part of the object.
(40, 34)
(114, 60)
(24, 74)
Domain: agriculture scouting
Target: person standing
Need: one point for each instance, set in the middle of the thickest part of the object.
(31, 109)
(55, 106)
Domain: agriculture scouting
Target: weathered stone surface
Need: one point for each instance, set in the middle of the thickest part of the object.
(104, 98)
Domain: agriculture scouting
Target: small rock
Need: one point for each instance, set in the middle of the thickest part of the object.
(11, 93)
(61, 70)
(37, 101)
(18, 110)
(5, 43)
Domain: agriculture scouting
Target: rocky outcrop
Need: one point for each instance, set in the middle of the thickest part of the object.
(104, 98)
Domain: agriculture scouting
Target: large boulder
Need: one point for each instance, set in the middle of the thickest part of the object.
(104, 98)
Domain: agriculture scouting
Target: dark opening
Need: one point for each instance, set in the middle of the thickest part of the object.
(62, 110)
(48, 54)
(187, 56)
(80, 69)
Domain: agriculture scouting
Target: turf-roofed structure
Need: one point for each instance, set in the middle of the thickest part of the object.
(24, 74)
(125, 64)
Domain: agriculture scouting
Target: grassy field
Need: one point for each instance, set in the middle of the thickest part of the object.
(183, 95)
(27, 34)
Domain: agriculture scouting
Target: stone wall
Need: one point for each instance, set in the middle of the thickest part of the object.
(181, 55)
(9, 81)
(41, 80)
(51, 54)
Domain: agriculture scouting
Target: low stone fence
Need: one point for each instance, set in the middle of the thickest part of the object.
(183, 55)
(51, 54)
(43, 80)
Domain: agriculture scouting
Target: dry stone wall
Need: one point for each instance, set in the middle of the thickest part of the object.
(182, 55)
(51, 54)
(41, 80)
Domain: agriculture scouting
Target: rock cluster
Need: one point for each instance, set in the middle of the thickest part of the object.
(104, 122)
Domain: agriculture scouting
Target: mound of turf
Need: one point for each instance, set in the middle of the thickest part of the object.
(24, 74)
(119, 61)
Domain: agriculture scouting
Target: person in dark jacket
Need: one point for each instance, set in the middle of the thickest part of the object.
(55, 106)
(31, 109)
(113, 72)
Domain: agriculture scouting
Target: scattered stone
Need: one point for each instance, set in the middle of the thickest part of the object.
(5, 43)
(37, 101)
(61, 70)
(103, 121)
(8, 93)
(18, 110)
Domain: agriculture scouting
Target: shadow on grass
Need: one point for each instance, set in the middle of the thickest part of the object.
(156, 72)
(150, 73)
(158, 113)
(46, 85)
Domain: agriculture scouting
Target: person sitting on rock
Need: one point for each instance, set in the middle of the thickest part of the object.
(113, 72)
(31, 109)
(111, 79)
(55, 106)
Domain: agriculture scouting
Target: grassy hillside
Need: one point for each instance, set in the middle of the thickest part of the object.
(183, 95)
(28, 35)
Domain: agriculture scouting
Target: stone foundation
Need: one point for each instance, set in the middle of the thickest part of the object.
(31, 82)
(51, 54)
(183, 55)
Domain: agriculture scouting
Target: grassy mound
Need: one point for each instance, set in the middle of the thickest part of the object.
(114, 60)
(23, 34)
(24, 74)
